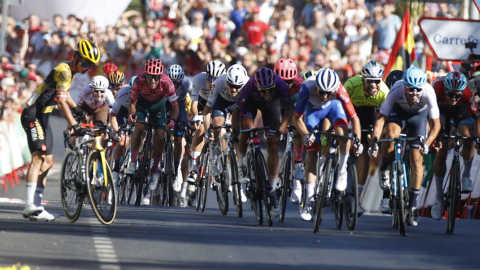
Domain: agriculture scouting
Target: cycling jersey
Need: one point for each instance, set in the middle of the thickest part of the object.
(467, 98)
(164, 88)
(354, 88)
(123, 97)
(397, 95)
(297, 84)
(86, 96)
(251, 93)
(55, 86)
(200, 87)
(220, 88)
(184, 89)
(308, 97)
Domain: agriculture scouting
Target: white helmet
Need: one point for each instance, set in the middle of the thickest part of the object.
(327, 80)
(237, 75)
(215, 69)
(99, 82)
(372, 69)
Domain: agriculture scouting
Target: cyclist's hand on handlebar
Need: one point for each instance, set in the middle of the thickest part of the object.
(280, 135)
(171, 123)
(424, 149)
(309, 139)
(373, 150)
(78, 130)
(132, 118)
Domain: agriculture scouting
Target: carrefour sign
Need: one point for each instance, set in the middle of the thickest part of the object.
(447, 37)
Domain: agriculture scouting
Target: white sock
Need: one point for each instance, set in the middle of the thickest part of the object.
(241, 160)
(31, 187)
(439, 186)
(37, 200)
(183, 193)
(310, 191)
(467, 168)
(194, 160)
(273, 184)
(297, 184)
(342, 162)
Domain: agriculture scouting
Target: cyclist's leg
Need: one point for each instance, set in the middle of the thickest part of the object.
(440, 168)
(394, 125)
(367, 116)
(141, 113)
(247, 115)
(270, 113)
(465, 128)
(158, 117)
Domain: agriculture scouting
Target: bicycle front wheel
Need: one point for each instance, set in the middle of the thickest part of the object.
(400, 200)
(255, 191)
(337, 208)
(232, 171)
(321, 188)
(225, 179)
(453, 195)
(262, 178)
(350, 205)
(285, 184)
(101, 190)
(72, 189)
(205, 180)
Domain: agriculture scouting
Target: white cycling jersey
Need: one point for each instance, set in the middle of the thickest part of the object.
(427, 100)
(123, 97)
(220, 88)
(86, 96)
(200, 87)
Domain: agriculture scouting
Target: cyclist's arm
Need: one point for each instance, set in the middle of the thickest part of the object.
(207, 114)
(63, 84)
(236, 119)
(131, 108)
(70, 101)
(300, 125)
(194, 108)
(302, 101)
(64, 109)
(356, 127)
(114, 122)
(377, 130)
(287, 116)
(433, 131)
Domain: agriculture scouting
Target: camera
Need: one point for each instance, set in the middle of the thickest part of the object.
(470, 45)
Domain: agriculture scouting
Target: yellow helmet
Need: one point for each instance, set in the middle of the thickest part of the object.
(88, 50)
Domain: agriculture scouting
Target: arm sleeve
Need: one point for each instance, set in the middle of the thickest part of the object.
(135, 93)
(388, 103)
(213, 96)
(302, 101)
(434, 112)
(342, 95)
(244, 94)
(170, 89)
(195, 89)
(63, 78)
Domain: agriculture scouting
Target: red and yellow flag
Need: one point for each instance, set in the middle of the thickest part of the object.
(403, 50)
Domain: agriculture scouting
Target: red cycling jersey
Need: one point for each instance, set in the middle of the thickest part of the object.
(343, 96)
(164, 88)
(467, 98)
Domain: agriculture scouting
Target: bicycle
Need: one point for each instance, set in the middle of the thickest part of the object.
(164, 194)
(259, 189)
(325, 191)
(285, 174)
(453, 189)
(79, 176)
(124, 182)
(399, 188)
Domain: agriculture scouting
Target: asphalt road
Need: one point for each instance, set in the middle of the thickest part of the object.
(180, 238)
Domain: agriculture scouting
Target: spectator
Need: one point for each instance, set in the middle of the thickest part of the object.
(254, 29)
(57, 21)
(247, 62)
(237, 16)
(157, 50)
(194, 32)
(201, 6)
(318, 32)
(386, 32)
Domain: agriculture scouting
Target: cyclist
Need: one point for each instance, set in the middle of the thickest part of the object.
(35, 121)
(118, 117)
(287, 70)
(149, 94)
(310, 73)
(203, 85)
(409, 104)
(323, 97)
(222, 102)
(109, 67)
(95, 99)
(265, 91)
(456, 102)
(393, 77)
(367, 93)
(183, 87)
(116, 80)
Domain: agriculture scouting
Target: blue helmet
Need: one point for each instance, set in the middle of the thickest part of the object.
(455, 81)
(414, 77)
(130, 84)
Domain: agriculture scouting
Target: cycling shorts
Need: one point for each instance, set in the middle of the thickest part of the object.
(333, 111)
(179, 129)
(122, 116)
(201, 105)
(367, 116)
(155, 109)
(416, 123)
(100, 115)
(37, 126)
(222, 107)
(270, 114)
(459, 115)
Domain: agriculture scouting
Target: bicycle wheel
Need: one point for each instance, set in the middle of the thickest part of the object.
(205, 179)
(170, 175)
(350, 206)
(144, 173)
(400, 208)
(124, 186)
(321, 192)
(72, 188)
(255, 191)
(262, 178)
(224, 179)
(232, 171)
(337, 208)
(285, 184)
(453, 195)
(133, 187)
(102, 195)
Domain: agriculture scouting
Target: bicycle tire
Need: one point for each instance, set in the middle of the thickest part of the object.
(337, 208)
(285, 184)
(170, 174)
(205, 180)
(132, 192)
(262, 177)
(255, 202)
(236, 186)
(124, 186)
(401, 213)
(222, 190)
(72, 192)
(321, 193)
(102, 199)
(351, 197)
(454, 194)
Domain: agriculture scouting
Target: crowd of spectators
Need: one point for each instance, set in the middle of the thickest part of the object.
(340, 34)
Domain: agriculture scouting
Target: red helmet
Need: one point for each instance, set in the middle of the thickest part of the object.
(154, 67)
(7, 65)
(286, 69)
(109, 67)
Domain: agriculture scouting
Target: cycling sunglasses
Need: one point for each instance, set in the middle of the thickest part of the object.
(211, 79)
(234, 86)
(98, 91)
(375, 81)
(412, 90)
(267, 90)
(152, 77)
(452, 95)
(322, 93)
(86, 65)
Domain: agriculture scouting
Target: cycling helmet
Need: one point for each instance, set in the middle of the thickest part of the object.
(99, 82)
(393, 77)
(109, 67)
(264, 78)
(414, 77)
(455, 81)
(372, 69)
(176, 73)
(310, 73)
(327, 80)
(130, 84)
(154, 67)
(215, 69)
(88, 50)
(286, 69)
(116, 78)
(237, 75)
